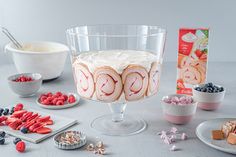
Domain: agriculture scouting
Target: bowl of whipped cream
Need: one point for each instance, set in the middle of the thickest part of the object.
(45, 58)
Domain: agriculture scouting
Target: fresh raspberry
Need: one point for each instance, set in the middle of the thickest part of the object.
(65, 97)
(54, 101)
(71, 99)
(49, 94)
(20, 146)
(58, 94)
(42, 98)
(59, 102)
(46, 102)
(61, 98)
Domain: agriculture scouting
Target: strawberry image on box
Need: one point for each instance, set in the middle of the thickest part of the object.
(192, 59)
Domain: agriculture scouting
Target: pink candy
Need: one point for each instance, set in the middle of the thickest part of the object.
(184, 136)
(173, 148)
(182, 100)
(171, 136)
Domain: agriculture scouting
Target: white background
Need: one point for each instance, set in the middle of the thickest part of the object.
(34, 20)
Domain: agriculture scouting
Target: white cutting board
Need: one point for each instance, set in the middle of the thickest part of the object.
(60, 124)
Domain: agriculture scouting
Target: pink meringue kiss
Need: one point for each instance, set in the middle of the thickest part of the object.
(178, 108)
(184, 136)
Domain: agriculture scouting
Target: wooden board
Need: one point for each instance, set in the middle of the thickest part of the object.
(60, 124)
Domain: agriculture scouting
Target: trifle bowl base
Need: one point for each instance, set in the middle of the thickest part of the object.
(118, 123)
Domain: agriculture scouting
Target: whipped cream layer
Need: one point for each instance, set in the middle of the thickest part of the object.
(117, 59)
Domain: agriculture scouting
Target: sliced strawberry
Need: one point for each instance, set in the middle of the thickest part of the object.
(49, 122)
(27, 115)
(3, 118)
(15, 124)
(43, 119)
(28, 124)
(18, 128)
(32, 117)
(10, 120)
(44, 130)
(37, 128)
(19, 114)
(35, 125)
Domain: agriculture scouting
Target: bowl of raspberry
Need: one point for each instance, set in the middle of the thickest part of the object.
(25, 84)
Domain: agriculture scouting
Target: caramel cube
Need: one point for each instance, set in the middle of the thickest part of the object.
(231, 138)
(217, 135)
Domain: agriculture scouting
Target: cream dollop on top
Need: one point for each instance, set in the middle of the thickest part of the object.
(117, 59)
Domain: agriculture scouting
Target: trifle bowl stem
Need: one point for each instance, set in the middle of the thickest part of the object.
(118, 123)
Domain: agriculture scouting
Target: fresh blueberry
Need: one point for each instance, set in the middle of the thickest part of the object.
(2, 133)
(204, 89)
(16, 140)
(1, 110)
(210, 84)
(198, 88)
(24, 130)
(221, 89)
(2, 140)
(0, 114)
(12, 109)
(6, 111)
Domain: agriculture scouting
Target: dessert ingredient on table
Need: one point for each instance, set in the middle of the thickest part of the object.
(192, 58)
(172, 136)
(57, 98)
(209, 88)
(2, 140)
(217, 134)
(228, 132)
(16, 140)
(70, 137)
(25, 84)
(178, 108)
(208, 96)
(2, 134)
(182, 100)
(20, 146)
(116, 75)
(23, 78)
(232, 138)
(97, 147)
(27, 121)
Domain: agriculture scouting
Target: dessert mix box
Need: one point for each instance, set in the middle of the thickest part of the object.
(192, 58)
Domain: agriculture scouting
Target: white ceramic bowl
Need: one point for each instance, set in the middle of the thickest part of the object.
(46, 58)
(178, 114)
(208, 101)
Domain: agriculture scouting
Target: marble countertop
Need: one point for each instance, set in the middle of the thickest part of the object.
(146, 143)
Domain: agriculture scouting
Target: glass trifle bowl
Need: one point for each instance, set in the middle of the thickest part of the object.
(116, 64)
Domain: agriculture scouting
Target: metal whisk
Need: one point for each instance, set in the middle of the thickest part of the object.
(10, 36)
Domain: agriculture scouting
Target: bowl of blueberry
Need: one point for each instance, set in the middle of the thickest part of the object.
(208, 96)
